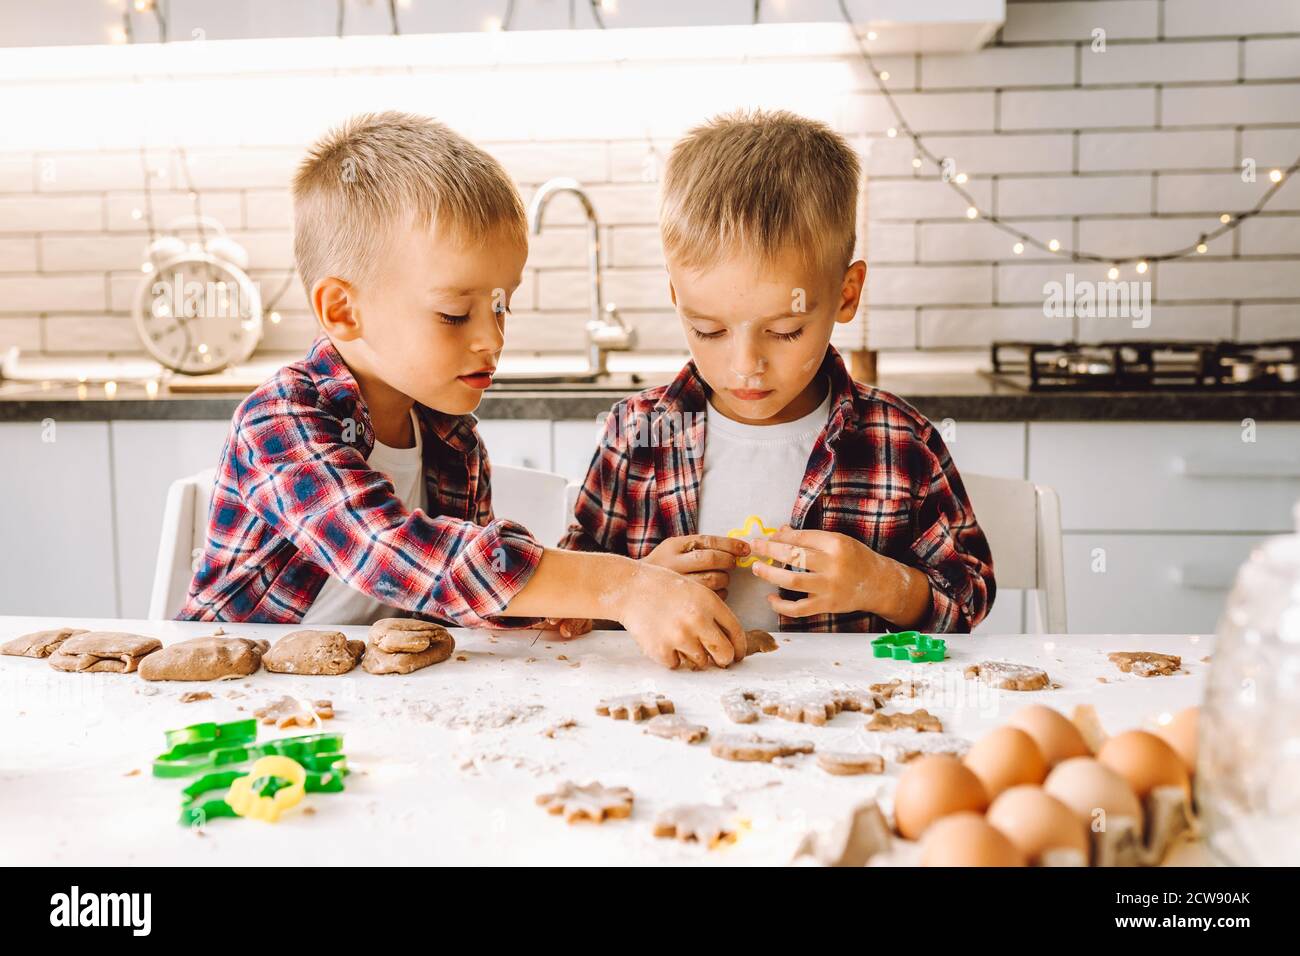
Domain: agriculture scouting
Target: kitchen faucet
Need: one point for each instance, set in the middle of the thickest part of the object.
(606, 331)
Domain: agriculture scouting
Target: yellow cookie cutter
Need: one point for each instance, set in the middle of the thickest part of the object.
(746, 531)
(255, 806)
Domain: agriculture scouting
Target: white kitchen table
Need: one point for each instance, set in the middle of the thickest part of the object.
(447, 761)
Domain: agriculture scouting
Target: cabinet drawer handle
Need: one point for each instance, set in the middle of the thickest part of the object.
(1208, 466)
(1202, 577)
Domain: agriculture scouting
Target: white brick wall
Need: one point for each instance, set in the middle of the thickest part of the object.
(1133, 150)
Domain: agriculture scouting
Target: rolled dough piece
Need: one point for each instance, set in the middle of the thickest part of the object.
(114, 652)
(378, 661)
(759, 642)
(313, 652)
(405, 635)
(205, 658)
(39, 643)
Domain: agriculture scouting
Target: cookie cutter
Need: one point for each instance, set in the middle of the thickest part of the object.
(204, 748)
(910, 646)
(745, 531)
(273, 785)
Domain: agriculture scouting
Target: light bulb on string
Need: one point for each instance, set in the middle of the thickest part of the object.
(1054, 245)
(1018, 248)
(1142, 267)
(1112, 272)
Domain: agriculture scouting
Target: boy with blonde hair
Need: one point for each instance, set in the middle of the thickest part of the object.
(353, 484)
(875, 532)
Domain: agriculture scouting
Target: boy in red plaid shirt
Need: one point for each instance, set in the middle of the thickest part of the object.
(410, 241)
(874, 530)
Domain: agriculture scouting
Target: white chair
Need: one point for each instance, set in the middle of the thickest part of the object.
(536, 499)
(184, 530)
(1022, 522)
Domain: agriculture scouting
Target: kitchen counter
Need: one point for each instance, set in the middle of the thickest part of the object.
(447, 761)
(962, 396)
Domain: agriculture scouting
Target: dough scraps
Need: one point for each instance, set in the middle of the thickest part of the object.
(205, 658)
(707, 823)
(1008, 676)
(676, 727)
(1146, 663)
(759, 642)
(591, 801)
(743, 705)
(295, 712)
(115, 652)
(39, 643)
(919, 720)
(314, 652)
(845, 763)
(194, 696)
(634, 706)
(752, 747)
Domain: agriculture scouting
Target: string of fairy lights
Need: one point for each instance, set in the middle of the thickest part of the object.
(946, 166)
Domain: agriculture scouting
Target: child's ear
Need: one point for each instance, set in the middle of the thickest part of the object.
(855, 278)
(335, 305)
(672, 293)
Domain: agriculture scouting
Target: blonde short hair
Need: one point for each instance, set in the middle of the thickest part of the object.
(763, 183)
(382, 171)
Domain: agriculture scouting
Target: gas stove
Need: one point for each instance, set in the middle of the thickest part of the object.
(1147, 366)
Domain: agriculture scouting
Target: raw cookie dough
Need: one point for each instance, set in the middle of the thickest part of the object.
(113, 652)
(634, 706)
(896, 688)
(850, 762)
(439, 645)
(743, 705)
(759, 642)
(1146, 663)
(194, 696)
(405, 635)
(591, 801)
(676, 727)
(39, 643)
(314, 652)
(1008, 676)
(205, 658)
(705, 823)
(752, 747)
(920, 720)
(901, 746)
(291, 711)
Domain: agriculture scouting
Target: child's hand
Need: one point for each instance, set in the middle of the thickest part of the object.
(567, 627)
(840, 575)
(704, 558)
(677, 620)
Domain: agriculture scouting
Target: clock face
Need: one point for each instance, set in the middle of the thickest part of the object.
(198, 314)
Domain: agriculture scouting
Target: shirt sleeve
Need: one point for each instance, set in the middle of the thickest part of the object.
(295, 472)
(599, 520)
(951, 550)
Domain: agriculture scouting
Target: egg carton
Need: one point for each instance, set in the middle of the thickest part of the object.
(864, 838)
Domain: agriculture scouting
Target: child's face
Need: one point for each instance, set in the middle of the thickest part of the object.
(758, 334)
(432, 317)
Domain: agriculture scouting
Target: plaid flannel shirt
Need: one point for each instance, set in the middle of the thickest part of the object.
(879, 472)
(295, 501)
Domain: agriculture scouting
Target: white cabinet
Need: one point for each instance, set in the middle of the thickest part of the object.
(523, 443)
(147, 457)
(575, 443)
(986, 448)
(56, 519)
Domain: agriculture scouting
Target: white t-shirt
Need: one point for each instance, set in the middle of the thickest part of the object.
(754, 470)
(339, 604)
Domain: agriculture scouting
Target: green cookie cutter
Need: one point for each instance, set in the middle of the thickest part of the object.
(314, 752)
(910, 646)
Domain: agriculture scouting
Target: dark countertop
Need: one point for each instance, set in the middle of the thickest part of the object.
(964, 397)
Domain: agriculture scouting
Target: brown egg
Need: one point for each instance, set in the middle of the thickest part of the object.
(1057, 738)
(1145, 761)
(1006, 757)
(1090, 788)
(967, 839)
(1036, 821)
(1180, 733)
(932, 787)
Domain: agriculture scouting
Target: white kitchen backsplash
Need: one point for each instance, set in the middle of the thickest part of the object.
(1134, 150)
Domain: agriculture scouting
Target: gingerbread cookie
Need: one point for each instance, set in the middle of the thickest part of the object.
(292, 711)
(845, 763)
(919, 720)
(103, 652)
(634, 706)
(1007, 676)
(901, 746)
(205, 658)
(759, 642)
(439, 645)
(1146, 663)
(314, 652)
(705, 823)
(676, 727)
(39, 643)
(405, 635)
(591, 801)
(752, 747)
(896, 688)
(743, 706)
